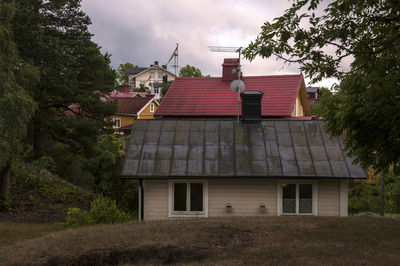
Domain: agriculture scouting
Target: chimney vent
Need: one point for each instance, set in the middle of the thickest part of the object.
(156, 63)
(251, 106)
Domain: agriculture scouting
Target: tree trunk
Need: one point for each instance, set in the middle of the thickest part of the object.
(5, 181)
(382, 210)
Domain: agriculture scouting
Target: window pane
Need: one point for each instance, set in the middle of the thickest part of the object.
(196, 197)
(180, 197)
(305, 197)
(289, 198)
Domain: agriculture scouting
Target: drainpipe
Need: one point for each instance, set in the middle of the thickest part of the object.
(141, 201)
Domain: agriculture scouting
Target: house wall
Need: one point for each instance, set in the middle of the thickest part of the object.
(144, 78)
(245, 197)
(125, 119)
(329, 198)
(146, 113)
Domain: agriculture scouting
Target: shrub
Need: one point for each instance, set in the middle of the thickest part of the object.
(103, 210)
(77, 217)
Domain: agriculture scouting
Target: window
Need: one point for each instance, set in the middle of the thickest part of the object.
(156, 90)
(152, 107)
(152, 74)
(297, 198)
(188, 198)
(160, 75)
(116, 122)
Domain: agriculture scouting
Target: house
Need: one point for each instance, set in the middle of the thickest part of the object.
(151, 77)
(130, 109)
(206, 97)
(312, 94)
(194, 167)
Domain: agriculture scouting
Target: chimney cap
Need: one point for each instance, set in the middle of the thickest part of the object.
(252, 93)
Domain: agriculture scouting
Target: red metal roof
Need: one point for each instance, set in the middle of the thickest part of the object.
(214, 97)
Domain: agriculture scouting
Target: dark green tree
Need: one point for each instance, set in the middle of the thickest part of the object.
(16, 104)
(54, 37)
(364, 33)
(190, 71)
(121, 76)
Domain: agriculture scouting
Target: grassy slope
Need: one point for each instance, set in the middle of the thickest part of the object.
(252, 240)
(39, 196)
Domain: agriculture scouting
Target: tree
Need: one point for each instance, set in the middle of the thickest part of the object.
(190, 71)
(121, 76)
(365, 33)
(16, 105)
(54, 37)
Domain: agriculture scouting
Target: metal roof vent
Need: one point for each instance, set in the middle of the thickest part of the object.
(251, 106)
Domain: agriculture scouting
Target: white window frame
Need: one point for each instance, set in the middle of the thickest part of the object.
(152, 107)
(181, 214)
(314, 184)
(114, 122)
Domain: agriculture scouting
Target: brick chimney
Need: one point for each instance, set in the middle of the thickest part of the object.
(125, 88)
(229, 69)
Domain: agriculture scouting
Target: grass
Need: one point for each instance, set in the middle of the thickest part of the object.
(11, 233)
(222, 241)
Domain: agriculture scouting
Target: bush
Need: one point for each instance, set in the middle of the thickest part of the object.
(103, 210)
(77, 217)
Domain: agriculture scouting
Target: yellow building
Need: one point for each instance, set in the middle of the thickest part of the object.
(130, 109)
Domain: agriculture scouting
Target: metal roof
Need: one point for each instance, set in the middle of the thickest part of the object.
(218, 148)
(213, 97)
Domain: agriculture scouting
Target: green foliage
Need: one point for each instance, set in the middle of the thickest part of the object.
(365, 197)
(327, 104)
(190, 71)
(142, 88)
(103, 210)
(16, 104)
(33, 187)
(54, 36)
(364, 33)
(5, 204)
(165, 88)
(121, 76)
(77, 217)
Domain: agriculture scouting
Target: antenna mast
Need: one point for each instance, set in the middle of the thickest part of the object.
(175, 57)
(231, 49)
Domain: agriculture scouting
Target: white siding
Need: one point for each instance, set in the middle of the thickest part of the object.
(245, 196)
(156, 199)
(329, 198)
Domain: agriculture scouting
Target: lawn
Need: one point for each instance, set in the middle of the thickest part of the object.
(222, 241)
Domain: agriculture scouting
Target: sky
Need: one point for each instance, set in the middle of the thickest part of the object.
(141, 32)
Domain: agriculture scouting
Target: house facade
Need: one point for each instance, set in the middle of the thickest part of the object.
(130, 109)
(151, 77)
(212, 168)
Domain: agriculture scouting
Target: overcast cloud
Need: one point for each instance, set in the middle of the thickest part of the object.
(142, 32)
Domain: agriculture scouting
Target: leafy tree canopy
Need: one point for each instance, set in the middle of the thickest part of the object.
(121, 76)
(190, 71)
(53, 36)
(364, 33)
(16, 104)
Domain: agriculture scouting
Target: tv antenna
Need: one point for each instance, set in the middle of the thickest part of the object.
(175, 57)
(236, 85)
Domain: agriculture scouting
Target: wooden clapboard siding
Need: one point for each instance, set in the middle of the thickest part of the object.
(329, 198)
(244, 195)
(156, 199)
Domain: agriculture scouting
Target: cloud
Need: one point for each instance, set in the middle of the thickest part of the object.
(141, 32)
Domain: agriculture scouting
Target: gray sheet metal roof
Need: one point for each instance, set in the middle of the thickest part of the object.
(214, 149)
